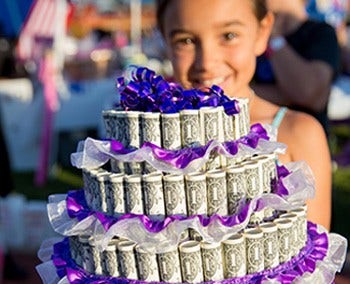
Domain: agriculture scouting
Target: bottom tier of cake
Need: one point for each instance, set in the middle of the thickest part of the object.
(317, 262)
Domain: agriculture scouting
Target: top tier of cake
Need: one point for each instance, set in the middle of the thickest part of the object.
(153, 110)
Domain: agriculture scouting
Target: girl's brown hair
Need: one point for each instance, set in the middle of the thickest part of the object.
(259, 7)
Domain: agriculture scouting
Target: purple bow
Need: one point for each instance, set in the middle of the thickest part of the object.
(148, 92)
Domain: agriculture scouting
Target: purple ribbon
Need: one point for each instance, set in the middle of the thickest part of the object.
(278, 187)
(77, 206)
(315, 250)
(181, 158)
(148, 92)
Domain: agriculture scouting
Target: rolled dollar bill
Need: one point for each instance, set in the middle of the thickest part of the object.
(120, 133)
(246, 115)
(114, 189)
(153, 196)
(268, 170)
(196, 193)
(211, 124)
(89, 183)
(254, 250)
(212, 261)
(211, 129)
(85, 177)
(174, 195)
(78, 254)
(243, 117)
(253, 179)
(234, 256)
(133, 139)
(190, 127)
(150, 122)
(74, 247)
(236, 187)
(228, 127)
(133, 194)
(191, 262)
(109, 259)
(95, 199)
(301, 225)
(294, 236)
(86, 254)
(147, 265)
(270, 237)
(151, 132)
(216, 193)
(237, 125)
(284, 227)
(169, 266)
(132, 129)
(109, 123)
(95, 257)
(171, 131)
(127, 261)
(102, 178)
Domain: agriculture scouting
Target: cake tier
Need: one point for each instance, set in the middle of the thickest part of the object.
(257, 248)
(157, 195)
(317, 262)
(156, 111)
(177, 130)
(70, 215)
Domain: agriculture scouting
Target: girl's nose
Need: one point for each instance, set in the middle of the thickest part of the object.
(206, 57)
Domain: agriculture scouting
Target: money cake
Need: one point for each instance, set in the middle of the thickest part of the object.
(184, 190)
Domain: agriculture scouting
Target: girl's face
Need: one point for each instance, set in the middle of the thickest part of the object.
(215, 42)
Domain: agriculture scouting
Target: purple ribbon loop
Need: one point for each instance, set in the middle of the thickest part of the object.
(149, 92)
(76, 205)
(278, 187)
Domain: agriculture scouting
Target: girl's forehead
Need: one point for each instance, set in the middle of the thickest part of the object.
(205, 13)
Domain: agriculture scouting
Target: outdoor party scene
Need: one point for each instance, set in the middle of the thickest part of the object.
(174, 141)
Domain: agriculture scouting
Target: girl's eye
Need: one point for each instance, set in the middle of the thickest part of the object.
(229, 36)
(185, 42)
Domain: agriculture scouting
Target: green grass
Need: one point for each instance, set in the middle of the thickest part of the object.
(341, 202)
(60, 180)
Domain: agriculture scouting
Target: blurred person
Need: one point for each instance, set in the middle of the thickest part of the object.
(335, 13)
(217, 42)
(300, 63)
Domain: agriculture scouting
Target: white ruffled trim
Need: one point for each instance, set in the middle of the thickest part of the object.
(47, 269)
(92, 154)
(333, 262)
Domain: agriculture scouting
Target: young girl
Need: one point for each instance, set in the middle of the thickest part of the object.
(217, 42)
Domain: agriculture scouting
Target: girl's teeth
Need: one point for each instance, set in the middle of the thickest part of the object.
(213, 82)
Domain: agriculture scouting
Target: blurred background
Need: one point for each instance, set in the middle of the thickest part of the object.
(59, 61)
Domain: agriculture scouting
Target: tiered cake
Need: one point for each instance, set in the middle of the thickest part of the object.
(184, 190)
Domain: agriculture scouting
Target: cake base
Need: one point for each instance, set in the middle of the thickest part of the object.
(318, 262)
